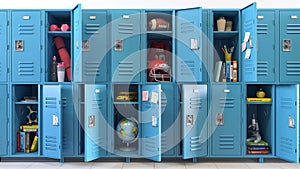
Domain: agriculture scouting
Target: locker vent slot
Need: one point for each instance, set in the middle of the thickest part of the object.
(50, 102)
(163, 101)
(187, 67)
(64, 102)
(125, 28)
(262, 28)
(286, 103)
(26, 29)
(150, 146)
(26, 68)
(226, 142)
(97, 104)
(286, 145)
(91, 68)
(125, 68)
(187, 27)
(248, 24)
(195, 144)
(92, 28)
(164, 143)
(293, 28)
(67, 142)
(227, 102)
(293, 68)
(51, 143)
(249, 67)
(195, 103)
(262, 68)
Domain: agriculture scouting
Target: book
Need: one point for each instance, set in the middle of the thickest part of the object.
(257, 147)
(34, 145)
(29, 136)
(258, 151)
(31, 127)
(22, 141)
(18, 142)
(259, 99)
(223, 74)
(228, 71)
(217, 71)
(261, 143)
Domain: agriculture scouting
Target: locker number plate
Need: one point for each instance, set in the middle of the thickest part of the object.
(85, 45)
(92, 121)
(220, 119)
(118, 45)
(189, 120)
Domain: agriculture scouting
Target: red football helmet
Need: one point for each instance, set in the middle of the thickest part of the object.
(158, 70)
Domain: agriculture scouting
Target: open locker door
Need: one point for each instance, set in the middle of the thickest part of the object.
(4, 119)
(151, 122)
(194, 116)
(249, 54)
(287, 120)
(52, 122)
(95, 138)
(188, 45)
(77, 41)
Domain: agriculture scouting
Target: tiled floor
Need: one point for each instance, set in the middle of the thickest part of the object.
(217, 164)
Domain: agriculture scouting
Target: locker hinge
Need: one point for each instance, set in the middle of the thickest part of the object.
(274, 22)
(7, 70)
(295, 103)
(41, 22)
(7, 23)
(7, 47)
(41, 47)
(41, 70)
(274, 46)
(200, 25)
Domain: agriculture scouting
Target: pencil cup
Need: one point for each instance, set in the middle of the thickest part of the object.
(228, 56)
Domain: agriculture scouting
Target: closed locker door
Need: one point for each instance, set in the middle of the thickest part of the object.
(77, 43)
(95, 124)
(94, 46)
(26, 46)
(266, 46)
(52, 122)
(69, 119)
(3, 46)
(4, 119)
(289, 46)
(189, 45)
(194, 121)
(125, 45)
(226, 120)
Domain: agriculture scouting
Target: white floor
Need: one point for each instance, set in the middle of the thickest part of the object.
(218, 164)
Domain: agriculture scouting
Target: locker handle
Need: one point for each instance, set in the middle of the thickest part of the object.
(92, 17)
(260, 17)
(26, 17)
(226, 91)
(294, 17)
(125, 17)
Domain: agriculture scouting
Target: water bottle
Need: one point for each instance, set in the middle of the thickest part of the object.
(61, 72)
(53, 70)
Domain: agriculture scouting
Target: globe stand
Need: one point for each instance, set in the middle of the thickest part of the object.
(127, 148)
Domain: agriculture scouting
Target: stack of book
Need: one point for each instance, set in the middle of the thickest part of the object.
(226, 71)
(27, 138)
(261, 147)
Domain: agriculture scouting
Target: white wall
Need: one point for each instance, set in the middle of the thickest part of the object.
(123, 4)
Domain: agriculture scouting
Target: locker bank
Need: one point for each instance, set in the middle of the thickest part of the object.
(149, 83)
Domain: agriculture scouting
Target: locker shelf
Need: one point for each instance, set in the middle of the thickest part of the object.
(225, 34)
(259, 103)
(59, 33)
(126, 102)
(26, 103)
(159, 34)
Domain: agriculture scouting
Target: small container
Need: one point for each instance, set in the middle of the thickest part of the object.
(228, 26)
(221, 22)
(61, 72)
(228, 57)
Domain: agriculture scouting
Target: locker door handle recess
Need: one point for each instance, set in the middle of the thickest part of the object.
(125, 16)
(226, 90)
(260, 17)
(294, 17)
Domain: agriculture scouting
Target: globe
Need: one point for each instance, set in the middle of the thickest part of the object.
(127, 130)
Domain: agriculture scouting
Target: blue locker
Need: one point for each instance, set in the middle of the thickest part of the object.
(169, 117)
(194, 121)
(287, 121)
(188, 45)
(94, 46)
(52, 122)
(26, 46)
(151, 122)
(248, 23)
(3, 43)
(126, 45)
(266, 46)
(68, 121)
(205, 44)
(226, 120)
(95, 123)
(77, 42)
(289, 42)
(4, 119)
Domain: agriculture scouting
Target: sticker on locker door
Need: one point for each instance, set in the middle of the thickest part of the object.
(154, 97)
(145, 95)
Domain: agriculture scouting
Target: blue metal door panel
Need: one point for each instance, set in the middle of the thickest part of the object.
(205, 44)
(126, 45)
(248, 23)
(95, 123)
(289, 50)
(26, 46)
(188, 45)
(168, 118)
(94, 48)
(77, 42)
(151, 122)
(287, 120)
(226, 120)
(3, 118)
(68, 125)
(266, 46)
(194, 121)
(3, 46)
(52, 122)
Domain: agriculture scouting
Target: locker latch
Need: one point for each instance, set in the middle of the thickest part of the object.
(189, 120)
(286, 45)
(92, 121)
(220, 119)
(194, 44)
(85, 45)
(55, 120)
(19, 45)
(291, 122)
(118, 45)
